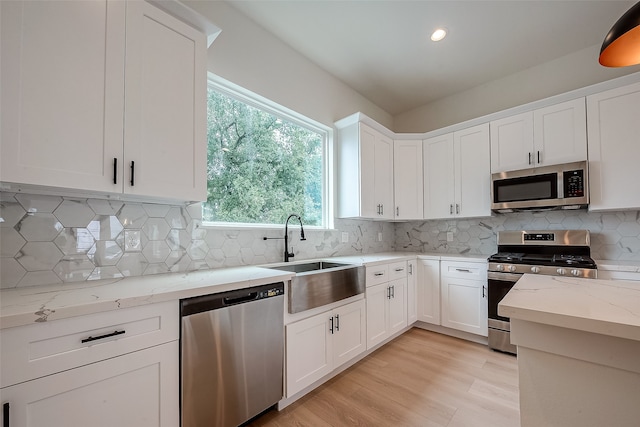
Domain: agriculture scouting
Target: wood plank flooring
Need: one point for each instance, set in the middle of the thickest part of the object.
(420, 379)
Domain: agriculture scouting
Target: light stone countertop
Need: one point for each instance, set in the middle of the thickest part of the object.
(607, 307)
(22, 306)
(626, 266)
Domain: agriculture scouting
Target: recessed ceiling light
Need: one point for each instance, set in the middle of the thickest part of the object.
(439, 34)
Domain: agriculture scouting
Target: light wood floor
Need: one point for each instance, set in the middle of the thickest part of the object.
(420, 379)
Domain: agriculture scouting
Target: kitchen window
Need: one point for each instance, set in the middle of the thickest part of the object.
(264, 162)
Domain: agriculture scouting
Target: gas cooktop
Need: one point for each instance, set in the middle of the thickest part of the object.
(556, 253)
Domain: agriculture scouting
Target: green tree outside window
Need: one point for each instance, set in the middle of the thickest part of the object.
(261, 168)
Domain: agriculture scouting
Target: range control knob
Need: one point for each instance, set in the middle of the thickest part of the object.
(561, 271)
(575, 272)
(512, 268)
(499, 267)
(535, 269)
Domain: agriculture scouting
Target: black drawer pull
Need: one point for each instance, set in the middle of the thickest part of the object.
(132, 171)
(99, 337)
(5, 414)
(115, 170)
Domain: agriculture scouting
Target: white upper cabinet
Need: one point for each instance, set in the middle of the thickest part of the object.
(365, 173)
(614, 148)
(512, 142)
(73, 125)
(62, 93)
(407, 180)
(439, 177)
(560, 133)
(546, 136)
(456, 174)
(165, 136)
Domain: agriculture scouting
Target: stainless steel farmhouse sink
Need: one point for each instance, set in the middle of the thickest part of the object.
(320, 283)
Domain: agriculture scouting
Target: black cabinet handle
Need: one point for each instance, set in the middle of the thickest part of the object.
(538, 156)
(132, 171)
(337, 322)
(529, 157)
(99, 337)
(115, 170)
(331, 327)
(5, 414)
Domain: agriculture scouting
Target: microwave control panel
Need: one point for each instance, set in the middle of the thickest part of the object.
(573, 183)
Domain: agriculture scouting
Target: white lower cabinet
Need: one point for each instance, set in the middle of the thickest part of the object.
(464, 296)
(386, 310)
(113, 368)
(412, 292)
(429, 291)
(319, 344)
(137, 389)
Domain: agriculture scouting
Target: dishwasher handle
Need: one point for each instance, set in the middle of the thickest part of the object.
(222, 300)
(251, 296)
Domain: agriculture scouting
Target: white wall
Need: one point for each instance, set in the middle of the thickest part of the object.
(564, 74)
(245, 54)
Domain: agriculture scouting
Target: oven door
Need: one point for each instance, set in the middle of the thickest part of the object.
(499, 284)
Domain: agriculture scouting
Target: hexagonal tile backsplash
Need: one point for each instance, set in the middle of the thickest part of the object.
(49, 239)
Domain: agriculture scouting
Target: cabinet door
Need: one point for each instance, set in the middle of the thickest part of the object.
(438, 177)
(560, 133)
(62, 93)
(428, 284)
(368, 201)
(377, 314)
(464, 305)
(137, 389)
(397, 305)
(383, 176)
(408, 181)
(349, 337)
(412, 292)
(309, 352)
(165, 111)
(512, 143)
(473, 176)
(614, 148)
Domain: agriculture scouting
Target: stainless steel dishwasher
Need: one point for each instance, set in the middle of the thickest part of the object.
(232, 355)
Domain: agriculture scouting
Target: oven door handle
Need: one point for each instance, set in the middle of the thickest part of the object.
(504, 277)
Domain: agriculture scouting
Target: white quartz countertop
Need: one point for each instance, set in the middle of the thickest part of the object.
(608, 307)
(22, 306)
(626, 266)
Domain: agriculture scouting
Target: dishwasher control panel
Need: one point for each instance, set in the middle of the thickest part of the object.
(271, 293)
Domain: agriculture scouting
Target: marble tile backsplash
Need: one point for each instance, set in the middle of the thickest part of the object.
(614, 235)
(51, 239)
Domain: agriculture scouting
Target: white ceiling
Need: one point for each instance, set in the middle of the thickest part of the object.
(382, 48)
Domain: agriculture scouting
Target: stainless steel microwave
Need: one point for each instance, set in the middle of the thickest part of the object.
(564, 186)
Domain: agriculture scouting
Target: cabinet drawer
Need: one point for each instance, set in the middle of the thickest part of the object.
(465, 270)
(33, 351)
(377, 274)
(397, 270)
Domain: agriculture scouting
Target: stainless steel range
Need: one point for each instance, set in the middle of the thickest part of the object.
(551, 253)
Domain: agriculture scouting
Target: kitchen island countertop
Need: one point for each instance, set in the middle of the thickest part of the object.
(607, 307)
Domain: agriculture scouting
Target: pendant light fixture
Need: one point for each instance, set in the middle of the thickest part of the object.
(621, 46)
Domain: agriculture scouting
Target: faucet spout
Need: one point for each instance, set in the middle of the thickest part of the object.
(288, 254)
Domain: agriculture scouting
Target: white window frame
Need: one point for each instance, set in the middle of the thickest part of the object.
(232, 90)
